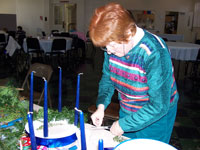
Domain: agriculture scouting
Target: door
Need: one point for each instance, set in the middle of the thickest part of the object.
(64, 14)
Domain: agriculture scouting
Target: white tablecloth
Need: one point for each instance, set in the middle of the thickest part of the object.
(12, 46)
(46, 44)
(183, 51)
(172, 37)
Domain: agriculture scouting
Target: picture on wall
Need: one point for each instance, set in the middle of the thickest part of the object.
(144, 18)
(171, 22)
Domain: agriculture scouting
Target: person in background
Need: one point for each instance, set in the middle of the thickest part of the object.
(20, 32)
(81, 39)
(72, 30)
(138, 65)
(4, 30)
(20, 35)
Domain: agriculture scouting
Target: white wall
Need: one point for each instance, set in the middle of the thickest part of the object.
(8, 6)
(29, 12)
(28, 15)
(158, 6)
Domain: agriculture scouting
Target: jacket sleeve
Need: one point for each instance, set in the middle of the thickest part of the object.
(159, 80)
(106, 88)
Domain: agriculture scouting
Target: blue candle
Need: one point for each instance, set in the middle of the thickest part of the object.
(82, 127)
(45, 131)
(100, 144)
(31, 94)
(60, 91)
(31, 131)
(77, 99)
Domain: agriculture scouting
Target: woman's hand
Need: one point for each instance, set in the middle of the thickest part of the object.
(116, 129)
(97, 116)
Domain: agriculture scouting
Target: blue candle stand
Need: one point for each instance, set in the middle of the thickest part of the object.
(100, 146)
(77, 99)
(31, 131)
(82, 129)
(31, 93)
(60, 90)
(45, 110)
(50, 142)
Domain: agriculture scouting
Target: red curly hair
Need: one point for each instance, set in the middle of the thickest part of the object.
(111, 23)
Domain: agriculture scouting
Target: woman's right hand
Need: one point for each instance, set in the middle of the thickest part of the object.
(97, 116)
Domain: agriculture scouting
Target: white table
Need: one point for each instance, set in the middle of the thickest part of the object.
(46, 43)
(172, 37)
(183, 52)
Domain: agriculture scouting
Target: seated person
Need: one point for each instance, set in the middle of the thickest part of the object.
(4, 31)
(20, 35)
(20, 32)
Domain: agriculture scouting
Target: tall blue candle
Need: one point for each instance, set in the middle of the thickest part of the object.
(31, 94)
(100, 144)
(31, 131)
(60, 90)
(83, 140)
(45, 131)
(77, 99)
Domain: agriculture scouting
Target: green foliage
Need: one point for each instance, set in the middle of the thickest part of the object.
(55, 115)
(11, 108)
(118, 139)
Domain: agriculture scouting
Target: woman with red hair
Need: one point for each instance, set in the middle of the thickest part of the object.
(138, 65)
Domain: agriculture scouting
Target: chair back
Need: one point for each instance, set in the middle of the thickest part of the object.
(20, 39)
(12, 33)
(65, 34)
(41, 70)
(33, 43)
(198, 55)
(2, 38)
(74, 41)
(53, 31)
(58, 45)
(43, 34)
(56, 34)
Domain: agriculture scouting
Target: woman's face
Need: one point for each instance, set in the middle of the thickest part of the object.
(119, 50)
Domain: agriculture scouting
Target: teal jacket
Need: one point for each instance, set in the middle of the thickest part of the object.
(144, 79)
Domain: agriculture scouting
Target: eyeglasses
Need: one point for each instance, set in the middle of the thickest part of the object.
(103, 48)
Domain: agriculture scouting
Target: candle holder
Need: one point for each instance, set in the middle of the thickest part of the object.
(60, 90)
(77, 99)
(82, 129)
(59, 134)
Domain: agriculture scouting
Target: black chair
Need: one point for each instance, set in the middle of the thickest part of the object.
(58, 52)
(20, 39)
(43, 34)
(54, 31)
(2, 49)
(65, 34)
(3, 40)
(165, 39)
(12, 33)
(73, 52)
(194, 74)
(91, 58)
(58, 46)
(33, 47)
